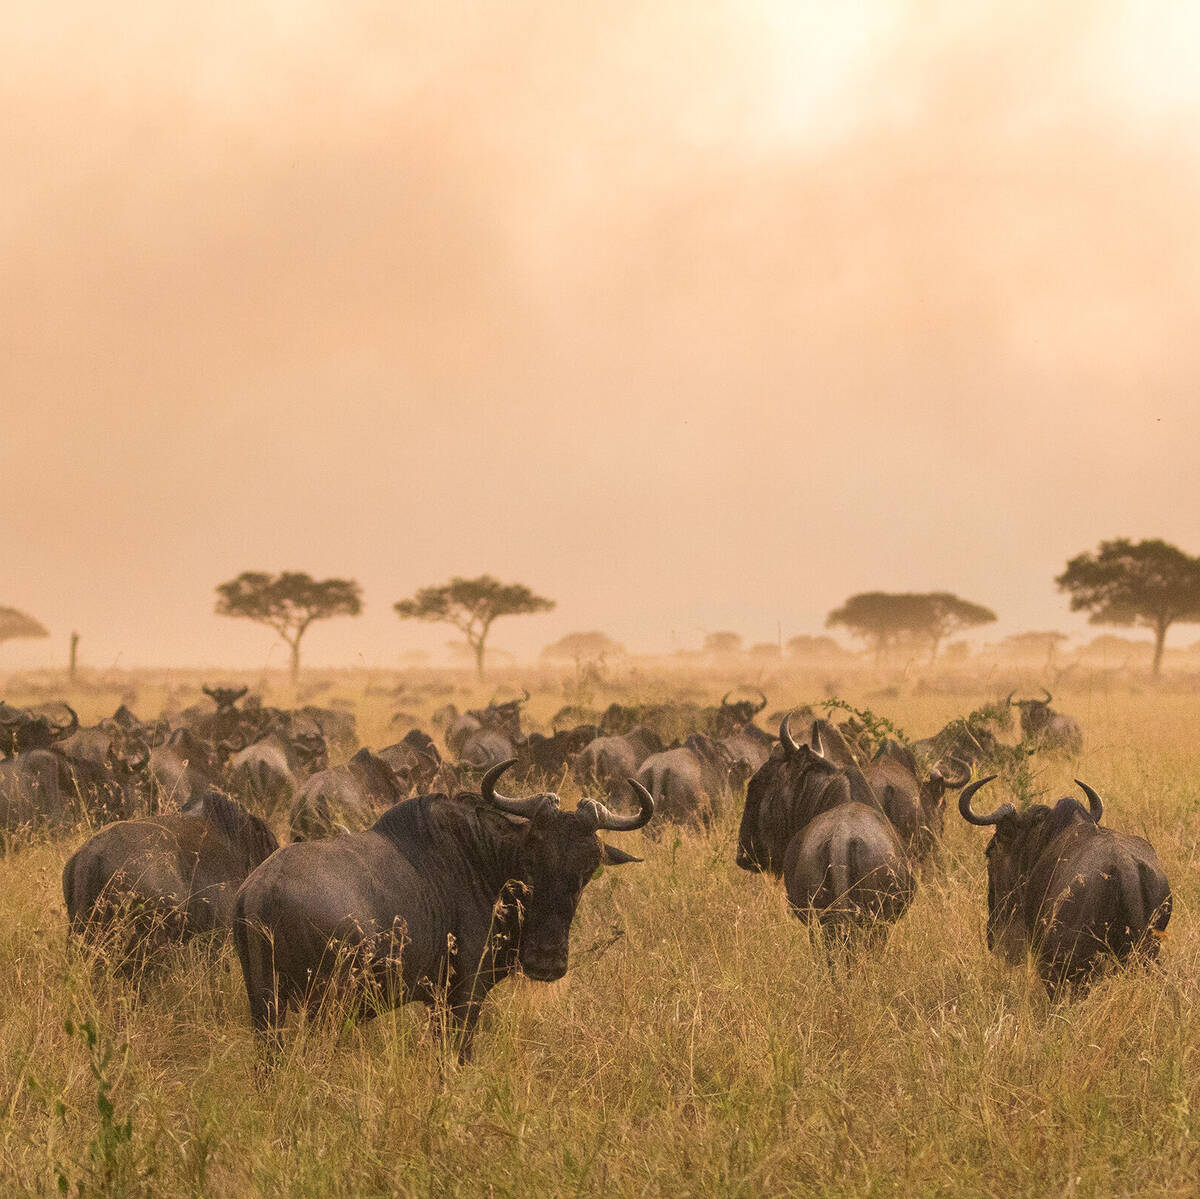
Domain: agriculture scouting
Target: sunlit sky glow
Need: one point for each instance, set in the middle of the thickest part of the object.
(691, 316)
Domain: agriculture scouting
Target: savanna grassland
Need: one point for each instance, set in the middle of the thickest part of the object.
(699, 1045)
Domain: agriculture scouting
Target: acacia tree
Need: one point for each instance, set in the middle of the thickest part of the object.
(288, 603)
(883, 618)
(15, 624)
(471, 605)
(578, 647)
(1148, 583)
(949, 615)
(723, 642)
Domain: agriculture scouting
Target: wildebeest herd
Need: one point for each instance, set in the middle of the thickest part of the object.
(410, 876)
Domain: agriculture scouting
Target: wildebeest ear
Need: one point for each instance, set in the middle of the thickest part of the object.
(612, 856)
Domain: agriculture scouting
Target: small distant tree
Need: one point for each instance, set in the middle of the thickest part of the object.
(1029, 646)
(723, 643)
(948, 615)
(583, 647)
(884, 619)
(1152, 584)
(814, 648)
(288, 603)
(471, 605)
(764, 649)
(15, 625)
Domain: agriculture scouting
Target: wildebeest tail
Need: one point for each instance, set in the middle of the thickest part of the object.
(82, 882)
(255, 953)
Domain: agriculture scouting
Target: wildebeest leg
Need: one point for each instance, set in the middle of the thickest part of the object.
(464, 1018)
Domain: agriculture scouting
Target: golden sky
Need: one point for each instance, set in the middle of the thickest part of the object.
(691, 314)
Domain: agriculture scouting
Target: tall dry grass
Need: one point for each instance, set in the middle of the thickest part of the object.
(700, 1045)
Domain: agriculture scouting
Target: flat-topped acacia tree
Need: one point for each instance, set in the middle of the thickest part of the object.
(1149, 583)
(471, 605)
(883, 618)
(288, 603)
(15, 624)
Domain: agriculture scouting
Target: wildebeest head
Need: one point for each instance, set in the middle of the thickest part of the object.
(22, 729)
(790, 776)
(558, 854)
(740, 712)
(224, 697)
(933, 788)
(127, 755)
(1036, 714)
(1016, 839)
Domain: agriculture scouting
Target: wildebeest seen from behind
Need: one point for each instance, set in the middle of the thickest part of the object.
(266, 775)
(139, 884)
(439, 901)
(794, 785)
(912, 799)
(610, 759)
(689, 781)
(1049, 730)
(345, 798)
(847, 871)
(1072, 892)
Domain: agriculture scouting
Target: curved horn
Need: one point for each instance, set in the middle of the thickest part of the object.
(514, 807)
(606, 819)
(763, 696)
(815, 740)
(527, 696)
(964, 806)
(1095, 804)
(963, 779)
(785, 736)
(1049, 697)
(1009, 700)
(725, 699)
(58, 731)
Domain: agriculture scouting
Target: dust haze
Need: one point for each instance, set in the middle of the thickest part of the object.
(688, 316)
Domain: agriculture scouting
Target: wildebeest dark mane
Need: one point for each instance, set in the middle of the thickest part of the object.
(1050, 821)
(436, 826)
(240, 827)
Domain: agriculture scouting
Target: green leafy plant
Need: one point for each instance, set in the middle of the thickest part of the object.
(111, 1166)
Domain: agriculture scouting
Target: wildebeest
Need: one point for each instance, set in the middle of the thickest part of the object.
(847, 871)
(182, 769)
(348, 798)
(912, 799)
(794, 785)
(163, 878)
(440, 900)
(266, 774)
(415, 759)
(549, 757)
(609, 760)
(35, 789)
(689, 781)
(1047, 729)
(23, 729)
(338, 729)
(503, 719)
(1072, 892)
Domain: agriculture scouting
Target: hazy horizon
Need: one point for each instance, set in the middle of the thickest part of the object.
(691, 317)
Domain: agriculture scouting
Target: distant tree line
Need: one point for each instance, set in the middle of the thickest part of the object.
(1148, 584)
